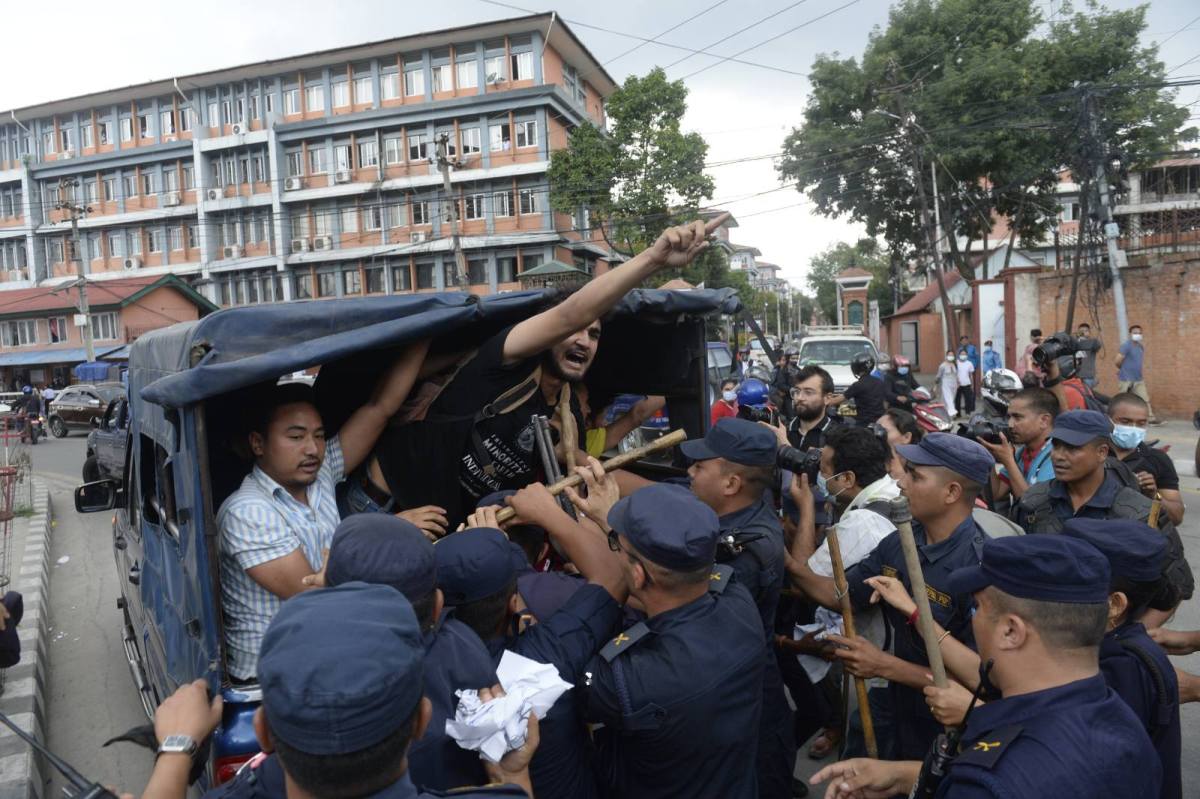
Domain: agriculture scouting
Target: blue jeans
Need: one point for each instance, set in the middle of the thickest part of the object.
(353, 498)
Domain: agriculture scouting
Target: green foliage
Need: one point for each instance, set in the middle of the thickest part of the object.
(865, 254)
(644, 175)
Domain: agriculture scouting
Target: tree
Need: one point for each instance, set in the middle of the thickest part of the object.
(865, 254)
(640, 177)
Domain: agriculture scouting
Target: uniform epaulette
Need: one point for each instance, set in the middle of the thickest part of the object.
(988, 750)
(494, 789)
(721, 576)
(624, 641)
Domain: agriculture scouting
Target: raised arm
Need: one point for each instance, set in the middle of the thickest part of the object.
(360, 432)
(676, 247)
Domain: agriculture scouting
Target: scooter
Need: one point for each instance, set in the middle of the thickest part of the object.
(931, 415)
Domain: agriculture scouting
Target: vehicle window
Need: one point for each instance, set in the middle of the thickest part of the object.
(834, 352)
(755, 344)
(87, 396)
(110, 417)
(719, 359)
(110, 393)
(157, 484)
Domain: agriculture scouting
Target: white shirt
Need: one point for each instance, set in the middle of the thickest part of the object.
(965, 368)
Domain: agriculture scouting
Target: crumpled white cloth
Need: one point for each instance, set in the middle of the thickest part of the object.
(499, 726)
(816, 668)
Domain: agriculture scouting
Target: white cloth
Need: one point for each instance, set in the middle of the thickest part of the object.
(816, 668)
(947, 378)
(499, 726)
(965, 370)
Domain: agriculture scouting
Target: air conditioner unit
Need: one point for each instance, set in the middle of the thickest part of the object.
(232, 252)
(214, 194)
(291, 184)
(417, 238)
(132, 263)
(239, 128)
(494, 78)
(323, 243)
(343, 176)
(171, 198)
(300, 245)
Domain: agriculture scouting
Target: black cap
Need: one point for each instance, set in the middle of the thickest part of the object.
(1050, 568)
(476, 563)
(381, 548)
(669, 526)
(1081, 427)
(960, 455)
(735, 440)
(1135, 550)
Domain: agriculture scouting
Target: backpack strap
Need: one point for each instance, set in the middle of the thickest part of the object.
(507, 402)
(1164, 707)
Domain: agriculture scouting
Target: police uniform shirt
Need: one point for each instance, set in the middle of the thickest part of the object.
(915, 726)
(455, 659)
(1098, 506)
(760, 563)
(1074, 740)
(1130, 677)
(679, 696)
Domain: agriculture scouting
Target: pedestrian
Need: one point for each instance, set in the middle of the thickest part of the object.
(966, 384)
(965, 345)
(1088, 347)
(991, 357)
(1041, 610)
(1029, 372)
(947, 380)
(1131, 362)
(726, 404)
(1153, 468)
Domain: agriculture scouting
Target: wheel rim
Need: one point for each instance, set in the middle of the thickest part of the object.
(58, 428)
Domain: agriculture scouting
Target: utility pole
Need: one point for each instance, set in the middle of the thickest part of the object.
(778, 320)
(1116, 258)
(67, 203)
(444, 164)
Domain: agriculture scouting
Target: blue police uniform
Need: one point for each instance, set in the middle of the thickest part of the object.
(1074, 739)
(752, 543)
(915, 726)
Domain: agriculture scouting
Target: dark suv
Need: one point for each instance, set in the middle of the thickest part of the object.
(107, 443)
(76, 406)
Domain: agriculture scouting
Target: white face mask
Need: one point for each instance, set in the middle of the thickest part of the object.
(950, 358)
(729, 396)
(962, 356)
(1136, 336)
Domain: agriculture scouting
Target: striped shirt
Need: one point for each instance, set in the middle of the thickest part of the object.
(261, 522)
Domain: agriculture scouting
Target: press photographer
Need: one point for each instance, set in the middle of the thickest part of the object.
(1031, 414)
(1057, 357)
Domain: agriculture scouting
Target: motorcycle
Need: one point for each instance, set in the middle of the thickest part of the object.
(931, 415)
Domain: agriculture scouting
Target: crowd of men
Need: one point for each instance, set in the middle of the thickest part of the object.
(366, 581)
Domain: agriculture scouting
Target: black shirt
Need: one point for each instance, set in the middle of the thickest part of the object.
(868, 394)
(1156, 462)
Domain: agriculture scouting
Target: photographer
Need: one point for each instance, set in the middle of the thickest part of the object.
(1031, 417)
(811, 394)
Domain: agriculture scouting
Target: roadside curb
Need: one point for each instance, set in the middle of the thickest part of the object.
(23, 699)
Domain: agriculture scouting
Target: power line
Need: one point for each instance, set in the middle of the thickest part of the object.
(655, 39)
(737, 32)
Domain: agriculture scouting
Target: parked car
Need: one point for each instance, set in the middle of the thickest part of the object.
(832, 348)
(107, 443)
(189, 385)
(75, 407)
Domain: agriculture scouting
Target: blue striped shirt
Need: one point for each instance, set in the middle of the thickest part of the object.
(261, 522)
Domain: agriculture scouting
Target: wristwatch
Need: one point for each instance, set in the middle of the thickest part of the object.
(178, 745)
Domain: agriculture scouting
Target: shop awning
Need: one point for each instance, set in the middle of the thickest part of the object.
(43, 357)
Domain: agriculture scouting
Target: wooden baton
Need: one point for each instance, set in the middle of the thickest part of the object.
(1155, 509)
(616, 462)
(566, 421)
(860, 685)
(902, 518)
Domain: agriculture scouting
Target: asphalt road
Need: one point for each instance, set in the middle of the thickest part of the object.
(91, 695)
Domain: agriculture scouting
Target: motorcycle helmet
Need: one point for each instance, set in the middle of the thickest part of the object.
(998, 388)
(900, 362)
(753, 393)
(791, 353)
(862, 364)
(885, 362)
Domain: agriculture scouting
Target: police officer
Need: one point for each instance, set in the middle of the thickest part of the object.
(1133, 665)
(1058, 730)
(383, 549)
(679, 693)
(342, 673)
(1088, 485)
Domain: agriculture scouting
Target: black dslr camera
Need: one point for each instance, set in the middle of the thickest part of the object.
(758, 414)
(1054, 347)
(980, 428)
(800, 461)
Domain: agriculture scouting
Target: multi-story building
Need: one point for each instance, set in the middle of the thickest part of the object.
(314, 175)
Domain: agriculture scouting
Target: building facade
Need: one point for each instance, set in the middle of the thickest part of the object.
(315, 175)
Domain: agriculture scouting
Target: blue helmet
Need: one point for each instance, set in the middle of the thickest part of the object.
(753, 393)
(26, 389)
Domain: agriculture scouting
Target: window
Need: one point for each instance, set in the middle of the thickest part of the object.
(260, 230)
(351, 282)
(314, 97)
(522, 66)
(214, 117)
(368, 153)
(909, 342)
(55, 251)
(390, 82)
(373, 277)
(93, 246)
(189, 177)
(327, 284)
(854, 313)
(259, 163)
(341, 156)
(473, 206)
(572, 83)
(323, 222)
(349, 220)
(19, 333)
(527, 133)
(175, 237)
(104, 326)
(494, 67)
(372, 218)
(530, 202)
(304, 286)
(48, 141)
(129, 185)
(418, 146)
(269, 103)
(318, 160)
(395, 216)
(425, 275)
(531, 260)
(170, 179)
(300, 226)
(193, 237)
(126, 129)
(341, 93)
(109, 185)
(414, 82)
(147, 184)
(291, 101)
(401, 278)
(442, 78)
(295, 166)
(477, 271)
(227, 112)
(231, 176)
(468, 74)
(85, 135)
(420, 212)
(470, 140)
(506, 268)
(90, 191)
(393, 150)
(57, 327)
(364, 90)
(500, 136)
(105, 132)
(166, 123)
(143, 121)
(254, 106)
(67, 138)
(154, 237)
(135, 242)
(116, 244)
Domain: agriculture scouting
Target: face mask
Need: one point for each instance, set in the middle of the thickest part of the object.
(1128, 437)
(962, 356)
(987, 348)
(950, 358)
(729, 396)
(902, 370)
(1136, 336)
(823, 484)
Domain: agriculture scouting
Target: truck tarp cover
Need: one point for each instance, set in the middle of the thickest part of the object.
(245, 346)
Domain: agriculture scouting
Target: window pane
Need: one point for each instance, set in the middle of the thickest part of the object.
(522, 66)
(304, 287)
(468, 74)
(364, 90)
(314, 98)
(291, 101)
(401, 279)
(351, 282)
(502, 203)
(414, 82)
(318, 160)
(425, 275)
(391, 86)
(477, 271)
(327, 284)
(349, 220)
(341, 93)
(494, 67)
(417, 146)
(442, 79)
(374, 279)
(368, 154)
(506, 268)
(470, 140)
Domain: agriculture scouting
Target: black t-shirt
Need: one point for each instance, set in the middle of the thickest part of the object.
(1156, 462)
(868, 394)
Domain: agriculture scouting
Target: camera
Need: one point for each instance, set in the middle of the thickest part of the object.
(979, 428)
(1054, 347)
(800, 461)
(753, 414)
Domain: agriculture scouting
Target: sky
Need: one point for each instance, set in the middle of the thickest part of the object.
(741, 110)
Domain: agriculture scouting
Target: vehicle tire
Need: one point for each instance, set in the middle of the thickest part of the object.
(91, 470)
(58, 427)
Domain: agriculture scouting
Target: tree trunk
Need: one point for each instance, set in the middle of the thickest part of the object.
(1084, 189)
(1012, 238)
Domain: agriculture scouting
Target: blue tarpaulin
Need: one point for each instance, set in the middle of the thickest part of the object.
(91, 372)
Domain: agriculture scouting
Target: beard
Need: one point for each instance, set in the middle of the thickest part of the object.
(808, 414)
(551, 365)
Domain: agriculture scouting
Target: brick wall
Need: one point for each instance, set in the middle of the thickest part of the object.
(1164, 298)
